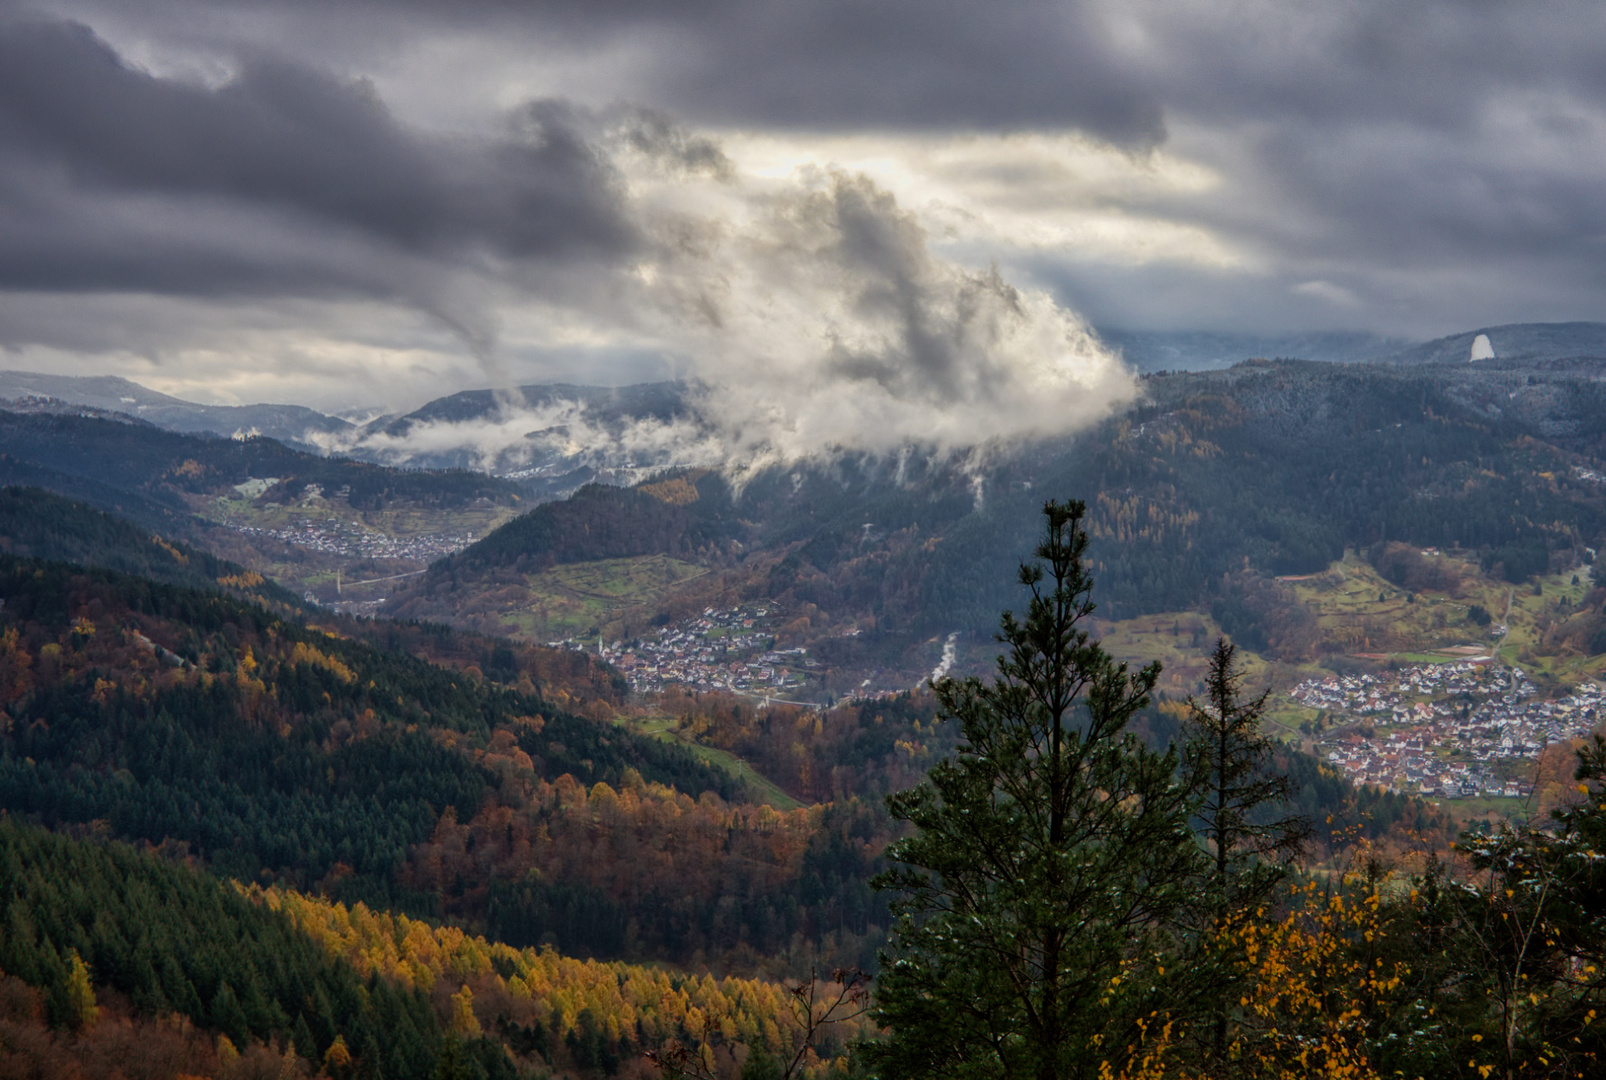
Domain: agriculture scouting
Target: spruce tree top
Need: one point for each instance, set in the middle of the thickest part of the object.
(1051, 857)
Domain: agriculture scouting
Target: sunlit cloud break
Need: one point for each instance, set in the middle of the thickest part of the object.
(823, 323)
(810, 318)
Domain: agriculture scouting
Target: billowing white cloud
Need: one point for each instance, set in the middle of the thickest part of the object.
(815, 317)
(395, 200)
(1016, 192)
(810, 317)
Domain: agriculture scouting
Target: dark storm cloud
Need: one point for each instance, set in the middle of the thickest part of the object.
(282, 177)
(820, 64)
(1431, 162)
(1396, 166)
(1354, 138)
(937, 64)
(1432, 64)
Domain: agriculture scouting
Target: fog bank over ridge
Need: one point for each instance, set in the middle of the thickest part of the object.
(552, 430)
(810, 318)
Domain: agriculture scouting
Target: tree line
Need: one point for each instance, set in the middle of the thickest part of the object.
(1072, 903)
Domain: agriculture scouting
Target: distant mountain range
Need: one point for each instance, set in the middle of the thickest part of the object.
(555, 437)
(287, 423)
(542, 434)
(1270, 467)
(1150, 351)
(1195, 350)
(1517, 341)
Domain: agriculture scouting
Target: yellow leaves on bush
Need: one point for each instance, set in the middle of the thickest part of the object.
(1308, 995)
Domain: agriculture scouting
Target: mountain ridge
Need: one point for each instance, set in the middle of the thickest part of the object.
(1512, 341)
(287, 423)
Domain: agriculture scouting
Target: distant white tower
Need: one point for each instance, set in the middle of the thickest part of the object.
(1481, 349)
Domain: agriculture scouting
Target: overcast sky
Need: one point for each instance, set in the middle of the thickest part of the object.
(910, 206)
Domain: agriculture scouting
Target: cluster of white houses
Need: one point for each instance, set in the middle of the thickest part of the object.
(313, 528)
(352, 541)
(722, 649)
(1453, 730)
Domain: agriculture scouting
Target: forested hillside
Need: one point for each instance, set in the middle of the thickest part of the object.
(40, 525)
(277, 752)
(189, 718)
(115, 963)
(1275, 468)
(1212, 485)
(322, 769)
(37, 524)
(133, 456)
(687, 515)
(524, 794)
(87, 922)
(304, 520)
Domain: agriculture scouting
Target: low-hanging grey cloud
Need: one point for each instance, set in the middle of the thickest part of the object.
(1406, 169)
(94, 152)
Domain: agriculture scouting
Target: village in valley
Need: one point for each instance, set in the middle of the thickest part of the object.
(722, 649)
(734, 650)
(349, 540)
(312, 524)
(1459, 729)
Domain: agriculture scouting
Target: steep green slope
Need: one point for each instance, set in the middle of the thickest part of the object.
(262, 745)
(600, 522)
(38, 524)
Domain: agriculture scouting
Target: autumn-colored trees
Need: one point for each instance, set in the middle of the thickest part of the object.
(89, 925)
(92, 935)
(566, 1010)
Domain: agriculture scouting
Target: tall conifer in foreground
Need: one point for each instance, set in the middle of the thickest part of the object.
(1227, 762)
(1050, 857)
